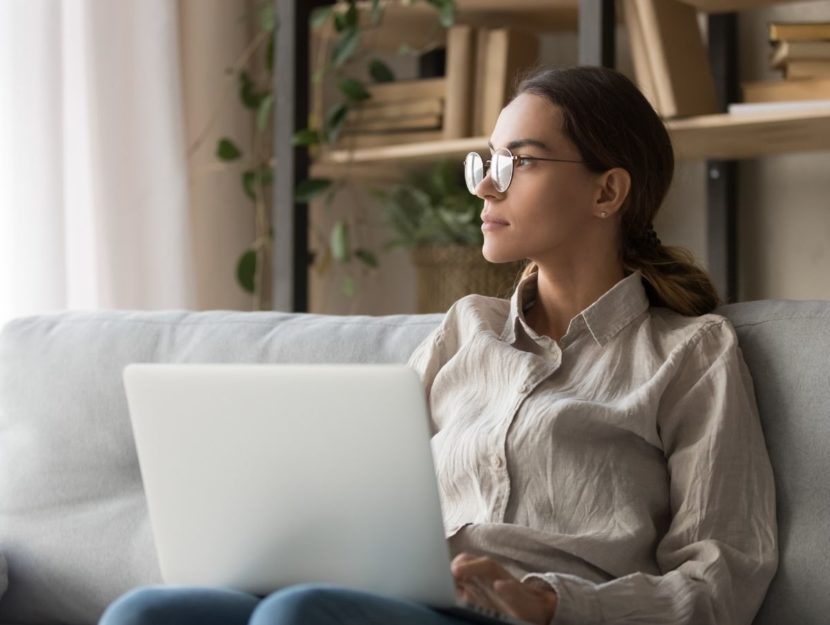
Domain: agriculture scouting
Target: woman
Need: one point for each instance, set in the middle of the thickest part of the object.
(598, 447)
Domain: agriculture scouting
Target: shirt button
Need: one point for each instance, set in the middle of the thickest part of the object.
(498, 462)
(524, 388)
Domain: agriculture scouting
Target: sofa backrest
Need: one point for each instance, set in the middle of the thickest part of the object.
(786, 345)
(73, 521)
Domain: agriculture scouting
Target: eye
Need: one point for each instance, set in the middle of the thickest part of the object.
(523, 160)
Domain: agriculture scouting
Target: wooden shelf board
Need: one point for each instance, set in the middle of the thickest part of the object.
(751, 135)
(725, 6)
(418, 24)
(721, 136)
(409, 152)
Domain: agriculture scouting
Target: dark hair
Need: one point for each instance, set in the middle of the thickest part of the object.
(613, 125)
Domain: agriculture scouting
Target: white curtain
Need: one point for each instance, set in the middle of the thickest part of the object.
(93, 176)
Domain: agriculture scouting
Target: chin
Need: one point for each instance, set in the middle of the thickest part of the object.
(497, 256)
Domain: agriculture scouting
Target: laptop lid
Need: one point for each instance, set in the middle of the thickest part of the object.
(259, 476)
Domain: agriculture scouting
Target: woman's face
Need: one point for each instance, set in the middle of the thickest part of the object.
(548, 204)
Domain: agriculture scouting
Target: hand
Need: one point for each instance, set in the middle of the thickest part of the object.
(483, 581)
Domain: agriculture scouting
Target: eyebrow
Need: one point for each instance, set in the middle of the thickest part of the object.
(520, 143)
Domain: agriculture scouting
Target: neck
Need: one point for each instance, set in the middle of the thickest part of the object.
(561, 295)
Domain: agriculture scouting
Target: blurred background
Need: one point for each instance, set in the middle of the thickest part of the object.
(137, 160)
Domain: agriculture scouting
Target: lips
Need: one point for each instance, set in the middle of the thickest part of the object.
(490, 219)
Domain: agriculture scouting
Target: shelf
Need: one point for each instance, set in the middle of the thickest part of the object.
(725, 6)
(751, 135)
(721, 136)
(418, 25)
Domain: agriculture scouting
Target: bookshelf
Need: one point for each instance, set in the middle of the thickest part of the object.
(721, 139)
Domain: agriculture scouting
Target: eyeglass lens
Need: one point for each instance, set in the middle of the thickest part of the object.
(501, 169)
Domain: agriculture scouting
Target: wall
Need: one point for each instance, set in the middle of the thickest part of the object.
(213, 36)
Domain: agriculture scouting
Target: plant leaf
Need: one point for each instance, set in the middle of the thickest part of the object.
(350, 19)
(267, 17)
(226, 150)
(334, 121)
(266, 175)
(348, 286)
(246, 270)
(320, 15)
(353, 90)
(377, 12)
(446, 11)
(247, 91)
(269, 52)
(366, 257)
(344, 47)
(263, 113)
(380, 71)
(248, 180)
(309, 188)
(339, 242)
(306, 136)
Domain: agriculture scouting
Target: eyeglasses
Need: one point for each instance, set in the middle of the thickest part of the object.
(501, 168)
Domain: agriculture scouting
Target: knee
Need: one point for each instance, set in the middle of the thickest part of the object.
(306, 604)
(141, 606)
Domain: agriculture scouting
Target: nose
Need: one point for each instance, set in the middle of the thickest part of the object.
(487, 187)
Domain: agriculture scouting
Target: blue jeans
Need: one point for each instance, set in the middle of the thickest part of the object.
(303, 604)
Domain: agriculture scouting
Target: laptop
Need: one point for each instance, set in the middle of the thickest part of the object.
(259, 476)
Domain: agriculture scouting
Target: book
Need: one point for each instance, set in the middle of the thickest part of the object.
(395, 110)
(459, 75)
(411, 122)
(785, 52)
(798, 31)
(807, 69)
(406, 90)
(639, 54)
(784, 90)
(673, 62)
(481, 35)
(508, 51)
(379, 139)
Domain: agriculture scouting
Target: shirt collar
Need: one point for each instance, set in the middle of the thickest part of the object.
(604, 318)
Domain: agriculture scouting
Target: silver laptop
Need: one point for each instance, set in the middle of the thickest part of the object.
(259, 476)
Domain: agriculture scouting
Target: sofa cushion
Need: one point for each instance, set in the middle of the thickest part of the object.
(73, 520)
(786, 346)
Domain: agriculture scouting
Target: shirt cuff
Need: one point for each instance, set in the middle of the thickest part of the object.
(577, 602)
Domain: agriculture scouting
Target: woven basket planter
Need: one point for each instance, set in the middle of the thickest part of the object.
(447, 273)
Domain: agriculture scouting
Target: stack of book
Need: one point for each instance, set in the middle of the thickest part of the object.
(801, 52)
(402, 111)
(483, 66)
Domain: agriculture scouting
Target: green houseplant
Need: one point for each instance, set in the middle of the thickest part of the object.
(343, 241)
(254, 78)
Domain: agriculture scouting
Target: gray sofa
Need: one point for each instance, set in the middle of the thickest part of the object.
(73, 522)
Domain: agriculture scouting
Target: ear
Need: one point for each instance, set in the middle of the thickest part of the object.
(613, 187)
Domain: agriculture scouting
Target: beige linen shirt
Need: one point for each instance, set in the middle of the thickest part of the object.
(625, 464)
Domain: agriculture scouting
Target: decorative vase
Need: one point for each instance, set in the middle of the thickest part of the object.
(449, 272)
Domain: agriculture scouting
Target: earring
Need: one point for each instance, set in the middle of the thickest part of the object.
(604, 214)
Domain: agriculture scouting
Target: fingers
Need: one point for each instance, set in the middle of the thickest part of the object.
(534, 604)
(482, 580)
(466, 565)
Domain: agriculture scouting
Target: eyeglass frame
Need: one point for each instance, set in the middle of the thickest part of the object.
(513, 159)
